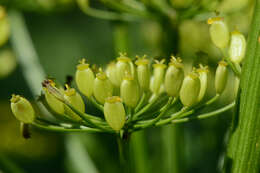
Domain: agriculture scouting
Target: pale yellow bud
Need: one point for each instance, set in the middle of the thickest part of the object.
(103, 88)
(84, 78)
(190, 89)
(114, 113)
(22, 109)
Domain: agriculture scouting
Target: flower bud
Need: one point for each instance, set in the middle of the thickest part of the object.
(203, 76)
(114, 112)
(143, 73)
(129, 91)
(190, 89)
(111, 74)
(22, 109)
(8, 62)
(103, 88)
(158, 74)
(237, 47)
(56, 105)
(84, 78)
(122, 67)
(75, 100)
(221, 77)
(174, 77)
(219, 32)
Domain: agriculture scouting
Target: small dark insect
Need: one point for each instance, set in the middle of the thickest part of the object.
(69, 80)
(25, 131)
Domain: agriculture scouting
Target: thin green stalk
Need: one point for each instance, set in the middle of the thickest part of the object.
(145, 108)
(88, 118)
(153, 121)
(102, 14)
(243, 151)
(54, 128)
(126, 8)
(205, 115)
(96, 104)
(140, 103)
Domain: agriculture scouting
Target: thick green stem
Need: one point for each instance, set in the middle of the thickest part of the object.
(124, 154)
(139, 151)
(244, 146)
(171, 148)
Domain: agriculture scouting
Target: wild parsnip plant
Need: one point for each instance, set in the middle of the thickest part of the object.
(134, 95)
(131, 97)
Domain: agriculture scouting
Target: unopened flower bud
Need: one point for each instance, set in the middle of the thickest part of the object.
(56, 105)
(129, 91)
(75, 100)
(203, 76)
(143, 73)
(111, 74)
(114, 112)
(219, 32)
(237, 47)
(174, 77)
(122, 67)
(103, 88)
(221, 77)
(190, 89)
(22, 109)
(84, 78)
(158, 74)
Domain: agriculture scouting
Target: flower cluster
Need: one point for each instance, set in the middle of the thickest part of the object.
(136, 94)
(232, 45)
(132, 95)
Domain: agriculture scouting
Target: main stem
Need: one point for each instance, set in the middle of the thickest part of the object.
(244, 147)
(124, 151)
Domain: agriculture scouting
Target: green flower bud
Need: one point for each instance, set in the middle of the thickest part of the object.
(174, 77)
(203, 76)
(190, 89)
(56, 105)
(114, 112)
(111, 74)
(4, 27)
(219, 32)
(221, 77)
(103, 88)
(122, 67)
(22, 109)
(75, 100)
(7, 62)
(237, 47)
(143, 73)
(129, 91)
(84, 78)
(158, 74)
